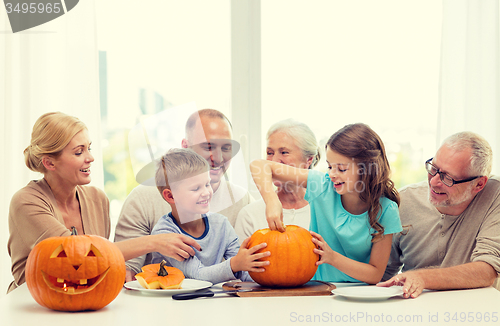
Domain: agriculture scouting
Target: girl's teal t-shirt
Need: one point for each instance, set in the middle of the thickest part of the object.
(347, 234)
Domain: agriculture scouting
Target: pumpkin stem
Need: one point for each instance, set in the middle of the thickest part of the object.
(73, 231)
(162, 271)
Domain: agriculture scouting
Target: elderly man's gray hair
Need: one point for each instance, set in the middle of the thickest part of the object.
(482, 156)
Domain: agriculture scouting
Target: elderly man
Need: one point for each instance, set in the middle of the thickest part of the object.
(451, 223)
(208, 132)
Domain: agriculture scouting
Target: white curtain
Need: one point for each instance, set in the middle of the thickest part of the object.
(470, 71)
(52, 67)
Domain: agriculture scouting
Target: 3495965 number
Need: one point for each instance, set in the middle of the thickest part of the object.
(471, 317)
(34, 7)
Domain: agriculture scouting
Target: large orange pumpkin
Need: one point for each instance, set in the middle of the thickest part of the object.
(74, 273)
(292, 260)
(156, 276)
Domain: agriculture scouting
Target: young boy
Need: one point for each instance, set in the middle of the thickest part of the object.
(183, 180)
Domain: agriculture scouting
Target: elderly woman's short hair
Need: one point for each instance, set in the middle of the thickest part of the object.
(303, 135)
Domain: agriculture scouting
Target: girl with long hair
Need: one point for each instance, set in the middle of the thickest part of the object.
(354, 206)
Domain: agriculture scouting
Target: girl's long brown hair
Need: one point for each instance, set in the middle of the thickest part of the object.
(359, 142)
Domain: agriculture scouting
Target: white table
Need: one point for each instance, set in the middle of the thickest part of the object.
(134, 308)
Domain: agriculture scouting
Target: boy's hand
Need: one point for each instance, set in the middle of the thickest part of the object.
(326, 253)
(248, 259)
(129, 275)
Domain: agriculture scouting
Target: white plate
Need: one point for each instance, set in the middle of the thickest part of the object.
(188, 285)
(369, 292)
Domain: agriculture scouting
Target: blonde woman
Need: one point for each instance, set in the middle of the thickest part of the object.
(51, 206)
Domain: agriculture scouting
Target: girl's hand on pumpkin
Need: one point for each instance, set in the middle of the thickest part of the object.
(274, 215)
(326, 253)
(177, 246)
(248, 259)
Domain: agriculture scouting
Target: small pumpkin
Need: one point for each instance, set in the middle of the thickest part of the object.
(156, 276)
(74, 273)
(292, 260)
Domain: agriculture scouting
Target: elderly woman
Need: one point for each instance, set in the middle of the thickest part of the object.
(51, 206)
(292, 143)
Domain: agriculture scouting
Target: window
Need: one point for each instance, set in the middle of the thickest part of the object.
(331, 63)
(326, 63)
(155, 55)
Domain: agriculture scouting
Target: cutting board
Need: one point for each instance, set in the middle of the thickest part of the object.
(311, 288)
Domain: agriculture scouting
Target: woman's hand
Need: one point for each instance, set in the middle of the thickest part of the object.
(248, 259)
(327, 255)
(274, 216)
(177, 246)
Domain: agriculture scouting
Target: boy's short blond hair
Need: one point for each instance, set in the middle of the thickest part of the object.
(178, 164)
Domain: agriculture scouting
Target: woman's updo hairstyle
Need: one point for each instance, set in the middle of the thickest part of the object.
(51, 133)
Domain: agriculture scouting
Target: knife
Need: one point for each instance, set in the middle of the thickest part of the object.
(206, 294)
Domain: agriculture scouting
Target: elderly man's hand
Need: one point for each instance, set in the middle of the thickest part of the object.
(412, 282)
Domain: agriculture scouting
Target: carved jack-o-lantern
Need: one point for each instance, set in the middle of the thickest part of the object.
(79, 272)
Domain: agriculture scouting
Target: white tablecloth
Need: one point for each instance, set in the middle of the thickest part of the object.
(464, 307)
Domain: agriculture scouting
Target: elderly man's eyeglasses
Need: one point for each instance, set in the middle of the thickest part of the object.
(445, 177)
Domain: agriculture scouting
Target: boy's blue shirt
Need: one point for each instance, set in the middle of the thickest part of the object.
(218, 242)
